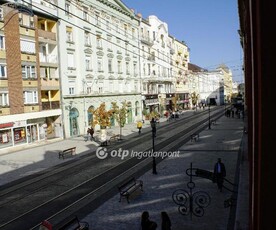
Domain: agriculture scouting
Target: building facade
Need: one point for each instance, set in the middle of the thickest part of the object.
(158, 82)
(99, 61)
(29, 81)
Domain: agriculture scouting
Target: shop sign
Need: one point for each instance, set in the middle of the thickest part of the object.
(20, 123)
(151, 101)
(6, 125)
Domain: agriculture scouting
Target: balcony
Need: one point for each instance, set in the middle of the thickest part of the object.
(146, 40)
(172, 51)
(46, 34)
(50, 105)
(48, 60)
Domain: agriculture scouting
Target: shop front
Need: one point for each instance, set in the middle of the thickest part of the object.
(17, 133)
(29, 131)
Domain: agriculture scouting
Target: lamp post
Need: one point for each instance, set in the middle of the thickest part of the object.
(209, 116)
(153, 129)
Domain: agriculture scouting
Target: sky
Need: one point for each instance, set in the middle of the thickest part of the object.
(208, 27)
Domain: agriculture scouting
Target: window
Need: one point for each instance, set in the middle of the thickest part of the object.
(85, 14)
(110, 66)
(119, 67)
(126, 48)
(28, 71)
(71, 90)
(133, 33)
(144, 69)
(88, 63)
(87, 41)
(26, 20)
(71, 87)
(135, 69)
(3, 71)
(30, 97)
(127, 68)
(4, 99)
(1, 13)
(107, 25)
(67, 8)
(100, 65)
(70, 61)
(99, 41)
(2, 42)
(69, 34)
(27, 47)
(125, 28)
(98, 20)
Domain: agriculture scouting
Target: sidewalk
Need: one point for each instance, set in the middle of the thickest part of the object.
(222, 140)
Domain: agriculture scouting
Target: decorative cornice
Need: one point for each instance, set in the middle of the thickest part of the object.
(122, 9)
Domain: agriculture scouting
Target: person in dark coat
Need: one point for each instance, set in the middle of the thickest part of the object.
(166, 222)
(146, 223)
(219, 173)
(91, 131)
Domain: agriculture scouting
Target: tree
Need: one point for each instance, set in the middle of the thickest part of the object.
(120, 114)
(194, 98)
(101, 116)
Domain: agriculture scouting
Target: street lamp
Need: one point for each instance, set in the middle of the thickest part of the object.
(153, 129)
(209, 116)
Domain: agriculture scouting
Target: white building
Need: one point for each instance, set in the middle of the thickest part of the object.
(99, 60)
(158, 84)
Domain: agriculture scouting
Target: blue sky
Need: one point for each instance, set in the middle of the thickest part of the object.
(209, 28)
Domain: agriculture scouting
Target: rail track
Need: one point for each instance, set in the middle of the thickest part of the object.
(68, 188)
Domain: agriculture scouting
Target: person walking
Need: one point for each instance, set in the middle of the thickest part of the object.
(91, 131)
(139, 126)
(146, 223)
(219, 173)
(166, 222)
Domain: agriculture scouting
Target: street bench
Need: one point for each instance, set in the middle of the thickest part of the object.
(73, 223)
(104, 143)
(194, 137)
(68, 151)
(129, 187)
(114, 138)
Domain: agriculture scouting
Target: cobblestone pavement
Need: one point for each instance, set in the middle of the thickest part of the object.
(222, 140)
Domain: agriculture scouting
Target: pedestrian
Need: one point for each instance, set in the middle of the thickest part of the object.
(166, 222)
(219, 174)
(146, 223)
(87, 134)
(91, 131)
(139, 126)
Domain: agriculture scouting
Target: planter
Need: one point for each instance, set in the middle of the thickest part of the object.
(103, 135)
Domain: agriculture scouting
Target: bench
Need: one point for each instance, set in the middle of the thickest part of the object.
(129, 187)
(114, 138)
(213, 122)
(194, 137)
(73, 223)
(65, 152)
(104, 143)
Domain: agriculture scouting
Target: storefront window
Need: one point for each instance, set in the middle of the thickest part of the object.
(5, 138)
(19, 135)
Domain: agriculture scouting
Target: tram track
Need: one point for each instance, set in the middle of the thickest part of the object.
(62, 188)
